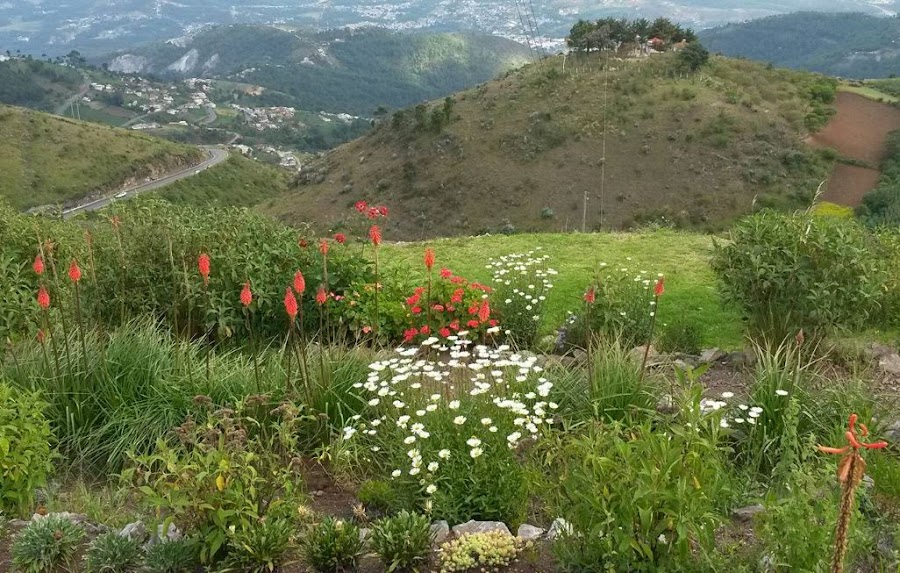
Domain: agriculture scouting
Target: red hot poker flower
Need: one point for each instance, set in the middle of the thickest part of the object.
(383, 211)
(340, 238)
(321, 296)
(43, 298)
(74, 271)
(38, 265)
(299, 283)
(484, 312)
(446, 273)
(361, 206)
(375, 235)
(323, 247)
(590, 296)
(290, 304)
(203, 267)
(246, 295)
(429, 259)
(659, 289)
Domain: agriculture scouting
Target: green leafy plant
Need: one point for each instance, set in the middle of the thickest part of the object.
(262, 546)
(172, 556)
(332, 546)
(113, 553)
(488, 551)
(46, 545)
(402, 541)
(378, 495)
(681, 335)
(25, 453)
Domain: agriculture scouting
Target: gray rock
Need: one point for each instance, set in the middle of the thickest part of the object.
(877, 351)
(473, 526)
(76, 518)
(893, 432)
(164, 535)
(711, 355)
(18, 524)
(868, 482)
(529, 532)
(741, 359)
(559, 527)
(136, 531)
(666, 405)
(440, 531)
(890, 364)
(637, 354)
(747, 513)
(547, 343)
(364, 534)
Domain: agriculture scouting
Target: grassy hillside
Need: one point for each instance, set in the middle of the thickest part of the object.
(36, 84)
(521, 153)
(337, 71)
(848, 45)
(46, 159)
(239, 182)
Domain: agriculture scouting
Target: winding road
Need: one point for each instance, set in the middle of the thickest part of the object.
(216, 155)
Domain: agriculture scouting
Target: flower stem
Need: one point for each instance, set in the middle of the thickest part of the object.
(80, 327)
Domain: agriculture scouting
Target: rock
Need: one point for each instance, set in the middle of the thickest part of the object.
(559, 527)
(317, 493)
(747, 513)
(135, 531)
(666, 405)
(440, 531)
(711, 355)
(547, 344)
(877, 351)
(528, 532)
(890, 364)
(164, 535)
(868, 482)
(637, 354)
(741, 358)
(364, 534)
(579, 355)
(18, 524)
(893, 432)
(473, 526)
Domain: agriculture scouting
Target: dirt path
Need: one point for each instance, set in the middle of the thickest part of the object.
(858, 131)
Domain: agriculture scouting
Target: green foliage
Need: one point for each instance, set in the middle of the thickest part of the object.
(36, 84)
(403, 541)
(46, 545)
(606, 32)
(681, 335)
(238, 182)
(489, 551)
(881, 206)
(792, 272)
(262, 546)
(521, 283)
(639, 498)
(694, 56)
(25, 453)
(174, 556)
(230, 471)
(378, 495)
(112, 553)
(332, 546)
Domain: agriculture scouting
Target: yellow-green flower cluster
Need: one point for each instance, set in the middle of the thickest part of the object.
(486, 551)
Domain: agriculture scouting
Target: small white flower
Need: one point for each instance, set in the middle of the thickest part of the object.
(473, 442)
(432, 467)
(431, 489)
(415, 471)
(459, 420)
(348, 433)
(396, 473)
(727, 395)
(475, 452)
(453, 405)
(781, 392)
(409, 440)
(444, 454)
(485, 421)
(374, 402)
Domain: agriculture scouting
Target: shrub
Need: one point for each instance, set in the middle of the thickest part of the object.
(403, 541)
(112, 553)
(378, 495)
(681, 335)
(521, 284)
(25, 454)
(332, 546)
(46, 545)
(230, 471)
(261, 546)
(175, 556)
(792, 272)
(488, 551)
(639, 498)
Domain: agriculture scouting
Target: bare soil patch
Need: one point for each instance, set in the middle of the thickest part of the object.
(848, 184)
(859, 128)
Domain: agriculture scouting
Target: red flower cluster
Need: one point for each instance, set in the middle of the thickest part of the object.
(372, 212)
(203, 267)
(43, 298)
(38, 265)
(290, 304)
(74, 271)
(246, 295)
(340, 238)
(590, 296)
(659, 289)
(299, 283)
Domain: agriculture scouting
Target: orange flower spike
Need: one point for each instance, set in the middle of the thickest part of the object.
(851, 437)
(835, 451)
(875, 445)
(852, 422)
(865, 430)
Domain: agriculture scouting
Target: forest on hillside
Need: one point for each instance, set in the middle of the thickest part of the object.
(32, 83)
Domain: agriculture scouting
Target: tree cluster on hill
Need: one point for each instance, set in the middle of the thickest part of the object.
(586, 36)
(881, 206)
(847, 45)
(25, 81)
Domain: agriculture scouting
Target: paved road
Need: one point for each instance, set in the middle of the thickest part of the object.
(215, 156)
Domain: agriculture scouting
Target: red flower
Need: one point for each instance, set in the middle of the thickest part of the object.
(38, 265)
(40, 335)
(590, 296)
(361, 206)
(473, 310)
(446, 273)
(416, 310)
(454, 325)
(450, 308)
(323, 247)
(429, 259)
(299, 283)
(373, 213)
(445, 332)
(493, 322)
(425, 330)
(409, 334)
(290, 304)
(246, 295)
(484, 312)
(367, 329)
(375, 235)
(383, 211)
(203, 266)
(340, 238)
(438, 308)
(855, 444)
(659, 289)
(303, 243)
(411, 301)
(472, 324)
(43, 298)
(74, 271)
(321, 296)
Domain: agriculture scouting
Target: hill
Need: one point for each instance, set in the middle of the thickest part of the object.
(46, 159)
(37, 84)
(688, 150)
(338, 71)
(239, 182)
(844, 44)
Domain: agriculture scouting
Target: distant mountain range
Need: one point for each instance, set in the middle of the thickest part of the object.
(849, 45)
(94, 27)
(348, 71)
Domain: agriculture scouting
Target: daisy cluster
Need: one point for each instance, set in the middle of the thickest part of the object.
(521, 282)
(449, 400)
(741, 415)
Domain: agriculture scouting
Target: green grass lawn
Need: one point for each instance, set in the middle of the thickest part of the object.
(683, 257)
(871, 93)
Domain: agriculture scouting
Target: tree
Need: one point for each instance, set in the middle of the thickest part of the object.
(693, 57)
